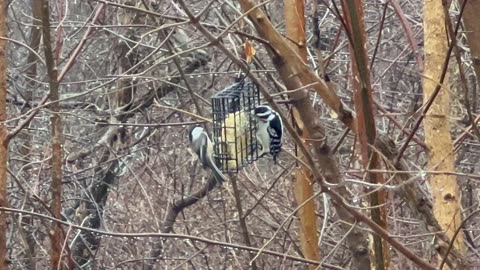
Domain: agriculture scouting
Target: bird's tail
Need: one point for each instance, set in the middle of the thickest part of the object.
(275, 149)
(216, 171)
(275, 158)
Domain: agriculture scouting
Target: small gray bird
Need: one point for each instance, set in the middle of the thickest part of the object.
(203, 146)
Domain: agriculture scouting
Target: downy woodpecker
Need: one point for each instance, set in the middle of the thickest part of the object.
(269, 130)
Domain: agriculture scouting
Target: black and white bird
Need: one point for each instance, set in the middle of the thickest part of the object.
(269, 130)
(203, 147)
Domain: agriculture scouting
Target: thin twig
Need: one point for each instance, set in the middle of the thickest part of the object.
(164, 235)
(283, 223)
(457, 231)
(434, 95)
(458, 57)
(183, 111)
(241, 218)
(71, 61)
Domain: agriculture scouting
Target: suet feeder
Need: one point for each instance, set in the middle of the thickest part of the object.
(234, 126)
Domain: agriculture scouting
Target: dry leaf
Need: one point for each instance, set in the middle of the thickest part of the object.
(249, 50)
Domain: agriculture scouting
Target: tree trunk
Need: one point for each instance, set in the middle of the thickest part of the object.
(445, 190)
(56, 129)
(26, 137)
(3, 135)
(354, 16)
(295, 29)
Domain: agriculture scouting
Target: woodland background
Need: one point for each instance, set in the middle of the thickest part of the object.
(379, 98)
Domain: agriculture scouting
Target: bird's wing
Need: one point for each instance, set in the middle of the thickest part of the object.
(216, 171)
(275, 139)
(203, 150)
(275, 135)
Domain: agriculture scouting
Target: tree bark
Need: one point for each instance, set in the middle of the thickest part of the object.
(56, 129)
(3, 135)
(366, 128)
(295, 30)
(26, 137)
(445, 190)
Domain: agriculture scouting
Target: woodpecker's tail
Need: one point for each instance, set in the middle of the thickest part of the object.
(275, 148)
(275, 158)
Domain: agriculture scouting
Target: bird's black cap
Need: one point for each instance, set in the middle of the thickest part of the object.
(263, 111)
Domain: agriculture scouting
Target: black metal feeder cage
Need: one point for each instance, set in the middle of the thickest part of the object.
(234, 126)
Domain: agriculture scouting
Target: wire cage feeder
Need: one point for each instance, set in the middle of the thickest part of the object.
(234, 126)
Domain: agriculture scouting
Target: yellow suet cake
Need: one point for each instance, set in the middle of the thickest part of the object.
(235, 139)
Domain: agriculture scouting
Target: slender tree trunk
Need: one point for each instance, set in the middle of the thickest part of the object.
(26, 137)
(3, 135)
(56, 129)
(446, 194)
(295, 28)
(354, 16)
